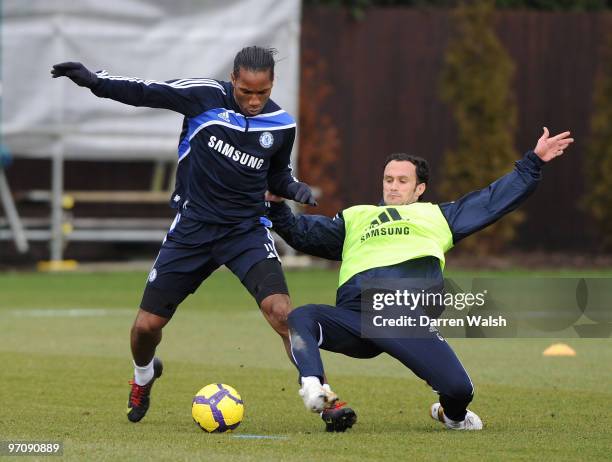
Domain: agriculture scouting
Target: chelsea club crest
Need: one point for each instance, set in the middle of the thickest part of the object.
(266, 140)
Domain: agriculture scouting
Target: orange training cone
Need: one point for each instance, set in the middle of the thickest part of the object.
(559, 349)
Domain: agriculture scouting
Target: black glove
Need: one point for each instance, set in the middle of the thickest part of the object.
(302, 193)
(76, 72)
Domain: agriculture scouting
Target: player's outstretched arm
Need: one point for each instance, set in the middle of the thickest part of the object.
(316, 235)
(479, 209)
(180, 96)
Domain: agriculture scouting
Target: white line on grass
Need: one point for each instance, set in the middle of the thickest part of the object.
(261, 437)
(70, 313)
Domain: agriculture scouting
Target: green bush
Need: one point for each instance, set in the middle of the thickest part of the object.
(599, 151)
(476, 82)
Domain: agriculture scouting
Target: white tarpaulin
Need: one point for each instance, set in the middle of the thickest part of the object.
(149, 39)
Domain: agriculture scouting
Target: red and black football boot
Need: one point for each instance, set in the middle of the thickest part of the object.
(338, 418)
(138, 402)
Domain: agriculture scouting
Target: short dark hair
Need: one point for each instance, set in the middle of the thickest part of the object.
(421, 165)
(255, 59)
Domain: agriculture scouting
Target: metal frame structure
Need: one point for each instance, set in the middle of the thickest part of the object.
(6, 197)
(61, 228)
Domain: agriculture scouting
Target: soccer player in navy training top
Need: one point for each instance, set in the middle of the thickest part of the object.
(402, 239)
(235, 143)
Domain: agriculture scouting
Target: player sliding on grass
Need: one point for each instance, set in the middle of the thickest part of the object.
(394, 254)
(235, 143)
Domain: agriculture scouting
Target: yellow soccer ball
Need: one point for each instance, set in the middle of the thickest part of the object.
(217, 408)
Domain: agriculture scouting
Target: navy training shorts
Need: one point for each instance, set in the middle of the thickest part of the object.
(192, 250)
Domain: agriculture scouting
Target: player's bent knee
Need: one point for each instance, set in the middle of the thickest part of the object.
(276, 307)
(460, 389)
(301, 316)
(148, 323)
(276, 310)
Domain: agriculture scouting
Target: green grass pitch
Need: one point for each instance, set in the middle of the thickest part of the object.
(65, 364)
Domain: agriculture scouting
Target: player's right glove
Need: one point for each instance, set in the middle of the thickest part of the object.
(302, 193)
(76, 72)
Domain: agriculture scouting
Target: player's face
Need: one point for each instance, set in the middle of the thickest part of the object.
(252, 90)
(400, 184)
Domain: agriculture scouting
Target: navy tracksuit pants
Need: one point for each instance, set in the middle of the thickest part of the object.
(338, 330)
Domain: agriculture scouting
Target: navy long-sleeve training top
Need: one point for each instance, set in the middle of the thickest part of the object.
(226, 160)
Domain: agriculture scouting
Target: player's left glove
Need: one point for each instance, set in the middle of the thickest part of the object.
(301, 192)
(76, 72)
